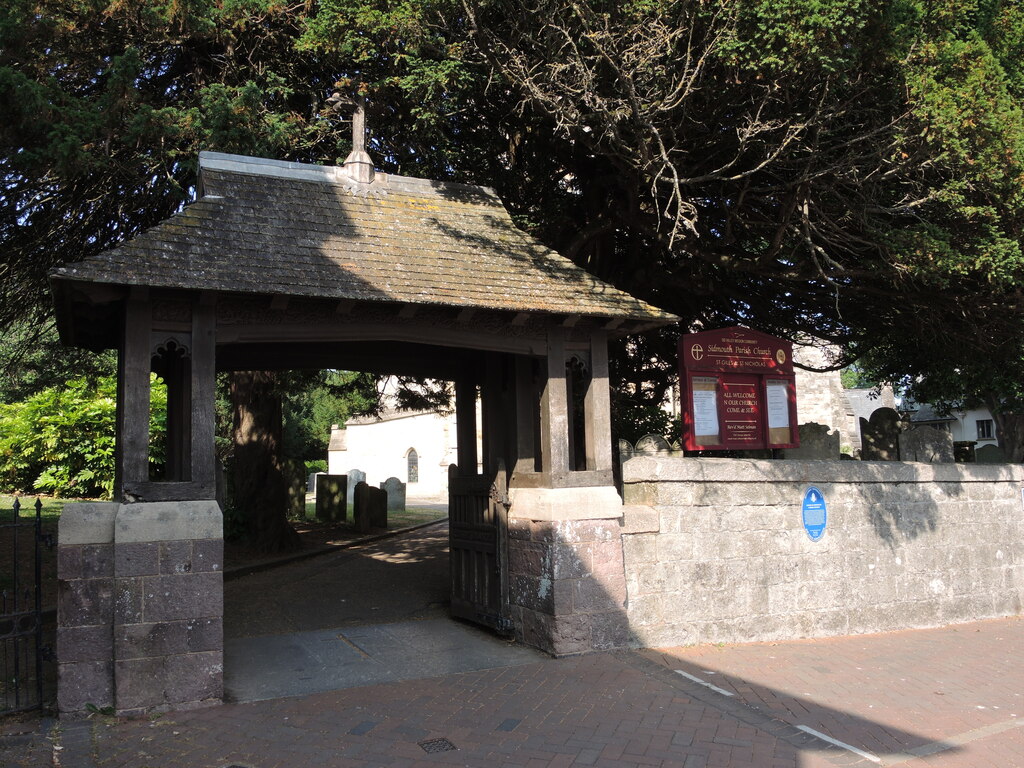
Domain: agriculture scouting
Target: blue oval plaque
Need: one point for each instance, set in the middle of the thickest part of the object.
(815, 513)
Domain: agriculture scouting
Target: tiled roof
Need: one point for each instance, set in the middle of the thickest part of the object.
(271, 227)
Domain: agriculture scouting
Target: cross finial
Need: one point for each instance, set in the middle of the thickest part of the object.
(358, 165)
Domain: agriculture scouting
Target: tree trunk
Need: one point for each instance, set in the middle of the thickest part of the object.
(260, 492)
(1009, 429)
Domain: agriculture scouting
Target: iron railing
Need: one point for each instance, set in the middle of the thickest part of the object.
(21, 610)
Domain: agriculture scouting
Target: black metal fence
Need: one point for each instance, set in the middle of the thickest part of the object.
(21, 610)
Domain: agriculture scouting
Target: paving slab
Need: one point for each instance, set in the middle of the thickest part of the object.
(275, 666)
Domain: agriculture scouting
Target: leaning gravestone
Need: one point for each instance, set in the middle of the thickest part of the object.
(879, 436)
(331, 498)
(355, 477)
(816, 443)
(926, 444)
(395, 489)
(652, 444)
(989, 454)
(370, 508)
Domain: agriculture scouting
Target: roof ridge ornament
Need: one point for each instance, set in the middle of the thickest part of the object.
(358, 166)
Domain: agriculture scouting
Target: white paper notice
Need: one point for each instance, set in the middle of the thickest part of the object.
(705, 412)
(778, 404)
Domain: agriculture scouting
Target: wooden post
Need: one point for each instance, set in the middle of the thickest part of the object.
(597, 405)
(203, 394)
(494, 417)
(554, 411)
(526, 417)
(465, 426)
(133, 366)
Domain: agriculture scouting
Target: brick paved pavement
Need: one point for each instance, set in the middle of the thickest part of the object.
(956, 690)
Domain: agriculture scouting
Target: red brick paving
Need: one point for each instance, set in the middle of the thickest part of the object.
(884, 693)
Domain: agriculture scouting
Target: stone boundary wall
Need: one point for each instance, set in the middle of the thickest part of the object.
(715, 549)
(140, 606)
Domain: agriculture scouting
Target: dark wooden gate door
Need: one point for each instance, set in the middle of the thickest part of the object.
(477, 520)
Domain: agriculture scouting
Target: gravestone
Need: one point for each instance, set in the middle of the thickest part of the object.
(926, 444)
(395, 489)
(370, 507)
(989, 454)
(295, 481)
(355, 477)
(816, 444)
(652, 444)
(879, 436)
(625, 451)
(331, 498)
(311, 482)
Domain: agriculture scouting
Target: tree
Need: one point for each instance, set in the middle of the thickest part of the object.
(60, 439)
(845, 168)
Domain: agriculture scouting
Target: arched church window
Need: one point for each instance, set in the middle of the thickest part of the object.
(413, 460)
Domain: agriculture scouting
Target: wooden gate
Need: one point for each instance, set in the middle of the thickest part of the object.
(478, 520)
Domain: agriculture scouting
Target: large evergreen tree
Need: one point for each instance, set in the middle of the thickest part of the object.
(848, 168)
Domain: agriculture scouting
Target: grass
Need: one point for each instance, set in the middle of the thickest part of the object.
(50, 512)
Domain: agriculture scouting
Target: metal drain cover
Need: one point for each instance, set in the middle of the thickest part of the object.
(437, 745)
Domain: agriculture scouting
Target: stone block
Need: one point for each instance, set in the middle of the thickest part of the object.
(570, 561)
(168, 521)
(77, 644)
(640, 548)
(645, 610)
(137, 559)
(519, 529)
(69, 562)
(134, 641)
(529, 558)
(87, 522)
(84, 602)
(533, 592)
(593, 596)
(177, 598)
(176, 556)
(195, 677)
(571, 635)
(139, 683)
(204, 634)
(86, 682)
(207, 555)
(97, 561)
(129, 596)
(610, 630)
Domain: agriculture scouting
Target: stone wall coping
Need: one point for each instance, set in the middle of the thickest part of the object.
(168, 521)
(556, 504)
(87, 522)
(645, 469)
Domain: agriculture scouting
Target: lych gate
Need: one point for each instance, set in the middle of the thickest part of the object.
(287, 266)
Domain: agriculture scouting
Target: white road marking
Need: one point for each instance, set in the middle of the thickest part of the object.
(840, 744)
(705, 683)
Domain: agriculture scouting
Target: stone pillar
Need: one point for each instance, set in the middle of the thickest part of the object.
(140, 617)
(85, 606)
(567, 585)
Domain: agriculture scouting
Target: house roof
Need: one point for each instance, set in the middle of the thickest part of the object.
(271, 227)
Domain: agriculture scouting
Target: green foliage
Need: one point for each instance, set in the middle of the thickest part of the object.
(313, 402)
(60, 440)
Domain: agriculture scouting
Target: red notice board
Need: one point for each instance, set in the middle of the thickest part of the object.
(739, 391)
